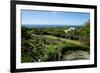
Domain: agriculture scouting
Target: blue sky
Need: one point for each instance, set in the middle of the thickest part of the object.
(53, 18)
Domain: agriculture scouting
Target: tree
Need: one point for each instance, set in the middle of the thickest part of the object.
(85, 34)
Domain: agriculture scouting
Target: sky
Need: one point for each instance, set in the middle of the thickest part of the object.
(53, 17)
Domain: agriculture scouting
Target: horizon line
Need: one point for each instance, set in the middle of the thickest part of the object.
(53, 24)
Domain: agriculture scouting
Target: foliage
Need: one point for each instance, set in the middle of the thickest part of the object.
(85, 34)
(50, 44)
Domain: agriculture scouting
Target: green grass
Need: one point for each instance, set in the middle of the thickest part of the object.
(65, 43)
(50, 37)
(63, 39)
(50, 48)
(71, 41)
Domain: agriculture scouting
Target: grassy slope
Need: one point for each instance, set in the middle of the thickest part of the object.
(64, 42)
(76, 55)
(63, 39)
